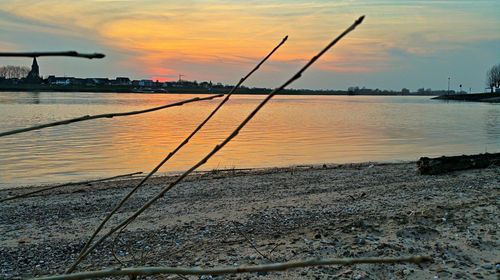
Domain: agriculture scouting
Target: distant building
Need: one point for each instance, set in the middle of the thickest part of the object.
(34, 74)
(206, 84)
(101, 81)
(123, 81)
(171, 84)
(60, 81)
(146, 83)
(89, 82)
(50, 79)
(77, 81)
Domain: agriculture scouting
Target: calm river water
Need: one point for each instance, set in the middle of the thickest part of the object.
(291, 130)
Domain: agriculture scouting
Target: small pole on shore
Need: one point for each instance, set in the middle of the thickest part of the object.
(448, 85)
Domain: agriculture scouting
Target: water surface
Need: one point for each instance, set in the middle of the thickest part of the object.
(290, 130)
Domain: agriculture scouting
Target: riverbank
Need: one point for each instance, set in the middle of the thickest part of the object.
(350, 210)
(197, 90)
(475, 97)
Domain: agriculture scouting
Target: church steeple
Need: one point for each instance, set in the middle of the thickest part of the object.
(34, 67)
(34, 74)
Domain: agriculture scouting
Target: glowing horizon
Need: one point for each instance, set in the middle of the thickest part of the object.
(402, 43)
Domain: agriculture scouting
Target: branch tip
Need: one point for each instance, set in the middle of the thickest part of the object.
(360, 20)
(99, 55)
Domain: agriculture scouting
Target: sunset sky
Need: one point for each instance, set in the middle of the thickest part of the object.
(401, 43)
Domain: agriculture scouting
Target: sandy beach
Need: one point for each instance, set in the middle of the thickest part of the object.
(217, 218)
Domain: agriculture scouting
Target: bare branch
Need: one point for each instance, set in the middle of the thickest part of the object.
(217, 147)
(67, 184)
(148, 271)
(38, 54)
(108, 116)
(251, 242)
(172, 153)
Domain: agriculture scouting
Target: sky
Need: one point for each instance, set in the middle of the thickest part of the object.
(410, 44)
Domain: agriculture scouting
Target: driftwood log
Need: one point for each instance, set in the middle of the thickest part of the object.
(440, 165)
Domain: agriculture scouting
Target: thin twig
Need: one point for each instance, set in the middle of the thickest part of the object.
(113, 248)
(172, 153)
(148, 271)
(250, 241)
(38, 54)
(109, 115)
(68, 184)
(274, 248)
(342, 273)
(217, 147)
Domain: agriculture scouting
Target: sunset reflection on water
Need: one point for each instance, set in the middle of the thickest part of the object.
(291, 130)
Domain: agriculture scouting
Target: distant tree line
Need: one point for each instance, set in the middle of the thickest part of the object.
(14, 72)
(356, 90)
(493, 77)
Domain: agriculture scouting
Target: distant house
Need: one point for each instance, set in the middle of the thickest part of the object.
(101, 81)
(78, 81)
(64, 81)
(89, 82)
(50, 79)
(189, 84)
(123, 81)
(206, 84)
(171, 84)
(146, 83)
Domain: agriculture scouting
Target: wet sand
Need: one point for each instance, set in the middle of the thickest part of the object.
(351, 210)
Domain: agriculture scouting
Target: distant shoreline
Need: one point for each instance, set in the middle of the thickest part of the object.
(470, 97)
(476, 97)
(192, 90)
